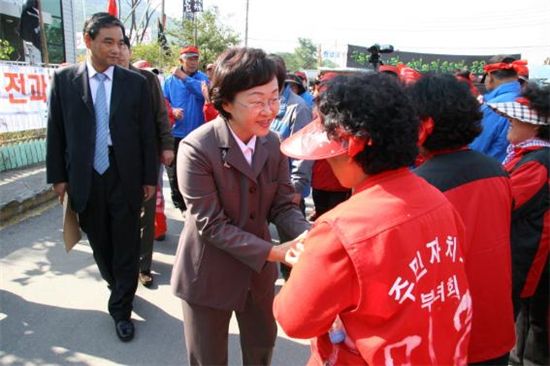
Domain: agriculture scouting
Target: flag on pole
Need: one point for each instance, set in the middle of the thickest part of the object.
(112, 8)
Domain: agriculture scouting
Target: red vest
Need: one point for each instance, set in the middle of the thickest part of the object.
(388, 261)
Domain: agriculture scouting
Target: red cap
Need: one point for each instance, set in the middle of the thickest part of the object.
(313, 143)
(141, 64)
(407, 74)
(328, 76)
(517, 66)
(388, 68)
(189, 51)
(302, 75)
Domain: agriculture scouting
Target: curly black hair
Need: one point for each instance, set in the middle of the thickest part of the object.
(539, 101)
(455, 111)
(372, 106)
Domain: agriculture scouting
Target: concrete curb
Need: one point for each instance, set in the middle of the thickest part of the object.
(22, 192)
(13, 211)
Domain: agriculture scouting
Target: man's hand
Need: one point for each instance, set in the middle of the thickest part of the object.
(179, 73)
(178, 113)
(167, 157)
(148, 192)
(296, 198)
(60, 189)
(205, 93)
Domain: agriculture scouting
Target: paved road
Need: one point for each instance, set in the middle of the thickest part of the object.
(53, 304)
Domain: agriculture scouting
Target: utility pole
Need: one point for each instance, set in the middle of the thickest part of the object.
(192, 7)
(246, 26)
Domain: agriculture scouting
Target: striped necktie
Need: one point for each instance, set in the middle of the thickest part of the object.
(101, 153)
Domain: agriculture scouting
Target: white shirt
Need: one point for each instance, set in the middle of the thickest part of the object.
(108, 84)
(247, 149)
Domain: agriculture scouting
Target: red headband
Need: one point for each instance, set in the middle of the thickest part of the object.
(523, 101)
(517, 66)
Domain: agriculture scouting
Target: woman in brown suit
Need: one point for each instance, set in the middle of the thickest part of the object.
(235, 181)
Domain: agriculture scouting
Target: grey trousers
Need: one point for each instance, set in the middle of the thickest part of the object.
(207, 332)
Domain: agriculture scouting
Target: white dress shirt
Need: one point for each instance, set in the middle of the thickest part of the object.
(108, 84)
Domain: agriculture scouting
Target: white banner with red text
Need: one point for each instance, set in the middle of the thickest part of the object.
(23, 97)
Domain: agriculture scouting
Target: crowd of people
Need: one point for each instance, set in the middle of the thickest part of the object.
(430, 235)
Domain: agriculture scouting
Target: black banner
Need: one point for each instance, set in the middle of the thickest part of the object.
(360, 57)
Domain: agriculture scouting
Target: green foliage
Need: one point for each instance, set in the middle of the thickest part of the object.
(212, 37)
(361, 58)
(291, 61)
(303, 57)
(306, 54)
(328, 63)
(150, 52)
(5, 50)
(439, 66)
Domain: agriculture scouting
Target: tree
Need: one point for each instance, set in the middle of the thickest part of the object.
(304, 57)
(291, 61)
(140, 15)
(5, 50)
(212, 37)
(306, 53)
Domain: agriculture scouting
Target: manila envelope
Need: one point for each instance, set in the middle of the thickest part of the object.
(71, 227)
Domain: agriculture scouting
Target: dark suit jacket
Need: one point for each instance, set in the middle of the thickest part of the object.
(71, 133)
(225, 241)
(165, 140)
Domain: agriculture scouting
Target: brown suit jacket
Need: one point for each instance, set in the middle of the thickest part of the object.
(225, 241)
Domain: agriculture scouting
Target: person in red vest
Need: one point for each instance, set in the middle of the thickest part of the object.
(393, 288)
(480, 190)
(528, 163)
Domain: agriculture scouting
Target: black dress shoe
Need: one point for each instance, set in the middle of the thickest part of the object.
(124, 330)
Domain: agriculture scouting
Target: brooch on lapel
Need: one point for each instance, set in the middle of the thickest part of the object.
(224, 158)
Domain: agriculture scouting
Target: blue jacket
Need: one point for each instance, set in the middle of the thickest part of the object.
(186, 94)
(308, 98)
(492, 141)
(293, 115)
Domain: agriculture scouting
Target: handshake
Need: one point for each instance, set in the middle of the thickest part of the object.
(289, 252)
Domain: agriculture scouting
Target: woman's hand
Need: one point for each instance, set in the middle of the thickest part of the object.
(279, 253)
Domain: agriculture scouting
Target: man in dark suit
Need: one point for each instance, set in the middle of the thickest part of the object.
(165, 143)
(101, 151)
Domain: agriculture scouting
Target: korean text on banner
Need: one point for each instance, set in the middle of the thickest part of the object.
(23, 97)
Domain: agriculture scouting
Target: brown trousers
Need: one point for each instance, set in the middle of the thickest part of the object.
(207, 332)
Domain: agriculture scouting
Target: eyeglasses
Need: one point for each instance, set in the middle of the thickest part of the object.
(260, 106)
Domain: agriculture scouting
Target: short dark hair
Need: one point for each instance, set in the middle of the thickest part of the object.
(97, 21)
(280, 69)
(455, 111)
(539, 101)
(126, 41)
(238, 69)
(372, 106)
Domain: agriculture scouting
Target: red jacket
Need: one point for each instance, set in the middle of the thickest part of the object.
(529, 173)
(388, 261)
(210, 112)
(479, 189)
(323, 178)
